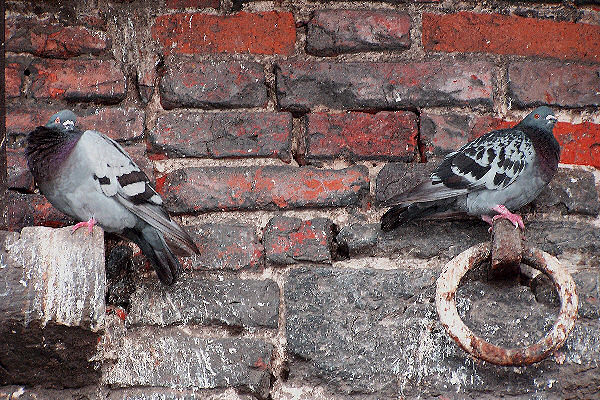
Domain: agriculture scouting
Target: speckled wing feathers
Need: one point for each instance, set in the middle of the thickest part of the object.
(491, 162)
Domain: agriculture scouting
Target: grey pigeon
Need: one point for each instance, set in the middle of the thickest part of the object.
(89, 177)
(501, 170)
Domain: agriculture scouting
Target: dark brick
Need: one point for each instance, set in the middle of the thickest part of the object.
(51, 307)
(510, 34)
(230, 84)
(290, 240)
(333, 32)
(43, 38)
(444, 133)
(78, 80)
(237, 304)
(224, 134)
(550, 82)
(175, 359)
(376, 333)
(572, 191)
(194, 190)
(32, 210)
(269, 32)
(19, 176)
(193, 3)
(385, 135)
(232, 246)
(119, 123)
(302, 86)
(13, 78)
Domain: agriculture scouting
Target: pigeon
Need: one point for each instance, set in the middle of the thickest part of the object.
(91, 178)
(500, 171)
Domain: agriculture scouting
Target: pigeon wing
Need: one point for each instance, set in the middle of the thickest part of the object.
(492, 162)
(120, 177)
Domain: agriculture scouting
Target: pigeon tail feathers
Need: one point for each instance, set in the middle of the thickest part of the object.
(156, 250)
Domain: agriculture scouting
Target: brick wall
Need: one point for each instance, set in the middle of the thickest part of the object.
(275, 132)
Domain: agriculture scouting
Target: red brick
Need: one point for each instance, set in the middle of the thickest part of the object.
(211, 84)
(230, 247)
(502, 34)
(289, 240)
(444, 133)
(13, 77)
(194, 190)
(386, 135)
(118, 123)
(193, 3)
(224, 134)
(270, 32)
(333, 32)
(32, 210)
(580, 143)
(379, 85)
(78, 80)
(18, 173)
(43, 38)
(551, 82)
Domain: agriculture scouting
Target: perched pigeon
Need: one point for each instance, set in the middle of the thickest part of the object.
(89, 177)
(501, 170)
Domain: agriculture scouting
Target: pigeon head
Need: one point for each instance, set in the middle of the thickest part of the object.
(542, 118)
(64, 119)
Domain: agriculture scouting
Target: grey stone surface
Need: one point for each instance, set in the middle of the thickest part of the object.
(177, 394)
(233, 303)
(231, 246)
(289, 240)
(175, 358)
(52, 286)
(572, 191)
(375, 334)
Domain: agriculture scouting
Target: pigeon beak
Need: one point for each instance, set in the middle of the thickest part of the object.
(551, 118)
(68, 124)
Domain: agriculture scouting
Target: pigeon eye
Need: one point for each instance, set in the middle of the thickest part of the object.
(57, 120)
(536, 116)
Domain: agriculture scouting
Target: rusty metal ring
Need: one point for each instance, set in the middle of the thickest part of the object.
(448, 282)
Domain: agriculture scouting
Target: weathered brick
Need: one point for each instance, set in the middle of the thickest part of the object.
(224, 134)
(270, 32)
(193, 190)
(160, 393)
(178, 359)
(193, 3)
(51, 306)
(236, 304)
(368, 86)
(333, 32)
(43, 38)
(233, 246)
(550, 82)
(13, 78)
(571, 191)
(78, 80)
(231, 84)
(19, 176)
(119, 123)
(386, 135)
(510, 34)
(444, 133)
(32, 210)
(290, 240)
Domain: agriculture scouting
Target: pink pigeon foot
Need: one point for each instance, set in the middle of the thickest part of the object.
(505, 214)
(90, 225)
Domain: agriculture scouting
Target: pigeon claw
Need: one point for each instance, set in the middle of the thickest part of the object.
(504, 213)
(89, 223)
